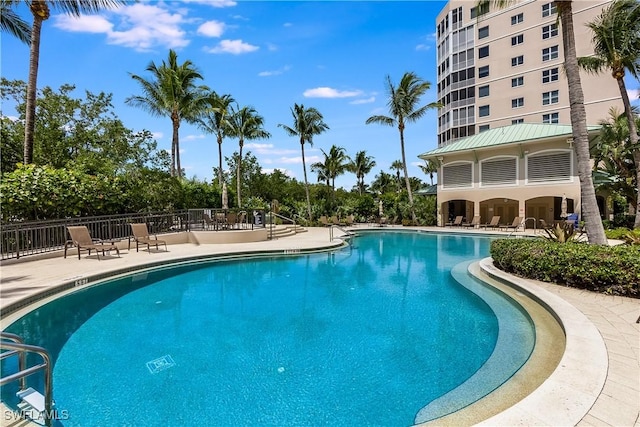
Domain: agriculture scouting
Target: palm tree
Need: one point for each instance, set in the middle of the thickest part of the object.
(307, 122)
(403, 108)
(322, 170)
(429, 168)
(382, 182)
(361, 166)
(335, 164)
(215, 120)
(397, 166)
(40, 11)
(12, 23)
(172, 92)
(590, 211)
(245, 123)
(616, 40)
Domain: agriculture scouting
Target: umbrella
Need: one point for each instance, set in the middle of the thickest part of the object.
(563, 207)
(225, 197)
(380, 210)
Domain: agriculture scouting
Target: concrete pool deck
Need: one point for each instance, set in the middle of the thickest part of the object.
(614, 318)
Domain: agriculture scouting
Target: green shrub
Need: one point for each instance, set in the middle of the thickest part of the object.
(610, 269)
(616, 233)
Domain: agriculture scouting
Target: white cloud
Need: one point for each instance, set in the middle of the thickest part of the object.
(193, 137)
(157, 135)
(287, 24)
(214, 3)
(211, 29)
(83, 23)
(287, 172)
(234, 47)
(423, 47)
(267, 149)
(327, 92)
(633, 94)
(141, 26)
(364, 101)
(274, 72)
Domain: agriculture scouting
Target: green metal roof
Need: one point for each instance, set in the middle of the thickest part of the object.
(519, 133)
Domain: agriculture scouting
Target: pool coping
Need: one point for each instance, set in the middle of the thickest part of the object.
(606, 410)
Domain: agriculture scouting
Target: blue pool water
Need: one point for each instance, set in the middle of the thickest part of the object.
(365, 335)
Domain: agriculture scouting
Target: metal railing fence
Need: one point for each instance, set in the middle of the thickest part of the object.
(19, 239)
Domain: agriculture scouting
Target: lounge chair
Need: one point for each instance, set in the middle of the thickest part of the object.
(208, 222)
(382, 221)
(334, 220)
(81, 239)
(517, 222)
(456, 222)
(324, 221)
(544, 225)
(493, 224)
(141, 236)
(232, 219)
(348, 221)
(474, 222)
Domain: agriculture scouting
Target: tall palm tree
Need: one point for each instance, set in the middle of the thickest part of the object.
(429, 168)
(245, 123)
(12, 23)
(590, 211)
(616, 41)
(307, 122)
(215, 120)
(322, 170)
(403, 108)
(40, 9)
(335, 164)
(361, 166)
(172, 91)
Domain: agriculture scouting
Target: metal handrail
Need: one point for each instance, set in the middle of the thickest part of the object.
(347, 232)
(293, 221)
(18, 346)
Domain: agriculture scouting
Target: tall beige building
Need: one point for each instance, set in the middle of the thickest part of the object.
(506, 67)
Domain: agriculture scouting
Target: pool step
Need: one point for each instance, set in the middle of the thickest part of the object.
(32, 405)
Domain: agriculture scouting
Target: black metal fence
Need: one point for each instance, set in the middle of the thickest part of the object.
(19, 239)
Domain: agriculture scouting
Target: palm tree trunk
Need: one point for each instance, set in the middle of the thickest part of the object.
(220, 160)
(174, 146)
(306, 183)
(589, 204)
(633, 141)
(239, 171)
(406, 178)
(40, 11)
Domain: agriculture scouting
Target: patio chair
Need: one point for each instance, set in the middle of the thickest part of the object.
(324, 221)
(208, 222)
(232, 219)
(474, 222)
(334, 220)
(81, 239)
(348, 221)
(493, 224)
(517, 222)
(141, 236)
(456, 222)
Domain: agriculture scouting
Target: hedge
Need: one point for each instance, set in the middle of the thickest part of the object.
(609, 269)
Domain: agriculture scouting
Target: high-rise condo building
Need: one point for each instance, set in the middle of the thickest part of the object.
(506, 67)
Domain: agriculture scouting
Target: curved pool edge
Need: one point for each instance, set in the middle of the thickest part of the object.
(571, 390)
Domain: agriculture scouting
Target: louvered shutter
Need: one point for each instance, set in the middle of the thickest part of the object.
(499, 172)
(549, 167)
(459, 175)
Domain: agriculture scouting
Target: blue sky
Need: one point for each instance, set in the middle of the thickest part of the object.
(331, 55)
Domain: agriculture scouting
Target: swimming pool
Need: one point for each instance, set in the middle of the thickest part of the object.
(369, 334)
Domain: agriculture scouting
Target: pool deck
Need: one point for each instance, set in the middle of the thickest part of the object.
(616, 403)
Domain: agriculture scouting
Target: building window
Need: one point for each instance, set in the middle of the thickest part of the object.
(477, 11)
(551, 118)
(517, 121)
(516, 19)
(483, 111)
(499, 171)
(554, 166)
(483, 128)
(549, 53)
(518, 60)
(483, 71)
(548, 9)
(549, 31)
(517, 81)
(516, 40)
(550, 97)
(517, 103)
(483, 91)
(458, 175)
(483, 32)
(550, 75)
(483, 52)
